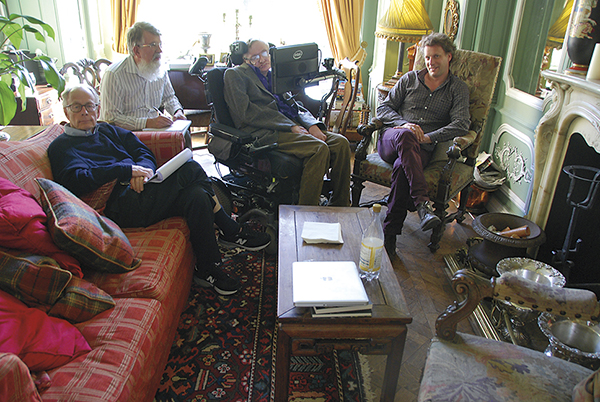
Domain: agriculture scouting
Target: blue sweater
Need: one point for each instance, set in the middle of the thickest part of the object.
(82, 164)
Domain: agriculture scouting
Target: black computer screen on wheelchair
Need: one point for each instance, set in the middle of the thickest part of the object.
(294, 66)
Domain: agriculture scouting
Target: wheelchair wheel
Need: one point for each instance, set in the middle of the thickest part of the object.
(223, 195)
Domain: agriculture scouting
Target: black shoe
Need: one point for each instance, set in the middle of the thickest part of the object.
(428, 219)
(214, 277)
(389, 242)
(247, 239)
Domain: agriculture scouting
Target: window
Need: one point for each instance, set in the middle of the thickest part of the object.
(276, 21)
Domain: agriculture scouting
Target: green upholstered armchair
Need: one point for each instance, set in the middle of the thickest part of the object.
(468, 368)
(451, 168)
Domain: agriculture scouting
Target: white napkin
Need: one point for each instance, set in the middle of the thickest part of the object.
(319, 232)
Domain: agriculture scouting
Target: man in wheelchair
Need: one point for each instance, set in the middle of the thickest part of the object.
(269, 119)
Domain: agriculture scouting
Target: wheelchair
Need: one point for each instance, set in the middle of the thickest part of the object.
(259, 178)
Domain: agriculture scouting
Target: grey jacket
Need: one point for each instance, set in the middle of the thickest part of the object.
(254, 109)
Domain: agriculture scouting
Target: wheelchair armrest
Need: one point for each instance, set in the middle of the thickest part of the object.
(257, 151)
(230, 134)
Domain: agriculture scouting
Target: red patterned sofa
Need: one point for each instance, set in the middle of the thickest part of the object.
(130, 343)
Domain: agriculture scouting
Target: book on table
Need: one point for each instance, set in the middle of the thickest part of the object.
(329, 284)
(364, 310)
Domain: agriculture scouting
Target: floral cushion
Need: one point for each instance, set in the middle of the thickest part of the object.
(473, 368)
(96, 241)
(379, 171)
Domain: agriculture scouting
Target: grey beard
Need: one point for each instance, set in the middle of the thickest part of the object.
(151, 71)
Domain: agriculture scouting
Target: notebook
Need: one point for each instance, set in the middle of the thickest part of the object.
(327, 284)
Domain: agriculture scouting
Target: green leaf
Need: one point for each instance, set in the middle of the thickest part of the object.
(53, 77)
(14, 33)
(49, 30)
(8, 104)
(38, 35)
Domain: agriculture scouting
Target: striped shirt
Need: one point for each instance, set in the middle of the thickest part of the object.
(443, 113)
(128, 99)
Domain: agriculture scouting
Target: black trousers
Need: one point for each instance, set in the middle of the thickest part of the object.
(187, 193)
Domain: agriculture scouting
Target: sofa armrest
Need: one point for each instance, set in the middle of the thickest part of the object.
(164, 144)
(16, 384)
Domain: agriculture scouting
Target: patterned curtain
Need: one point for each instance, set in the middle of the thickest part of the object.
(124, 13)
(343, 20)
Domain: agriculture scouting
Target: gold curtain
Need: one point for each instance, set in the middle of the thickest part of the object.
(556, 34)
(343, 20)
(124, 13)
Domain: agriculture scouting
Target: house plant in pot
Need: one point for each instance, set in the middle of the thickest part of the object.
(14, 76)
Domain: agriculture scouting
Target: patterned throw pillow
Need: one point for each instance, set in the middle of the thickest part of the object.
(33, 279)
(81, 301)
(96, 241)
(98, 198)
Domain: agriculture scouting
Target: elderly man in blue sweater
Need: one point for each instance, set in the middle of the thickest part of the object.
(90, 154)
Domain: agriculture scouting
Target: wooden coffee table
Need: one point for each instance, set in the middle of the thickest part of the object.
(300, 334)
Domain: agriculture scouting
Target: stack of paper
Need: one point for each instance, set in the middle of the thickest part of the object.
(319, 232)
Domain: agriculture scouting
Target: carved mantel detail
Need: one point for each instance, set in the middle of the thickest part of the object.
(574, 107)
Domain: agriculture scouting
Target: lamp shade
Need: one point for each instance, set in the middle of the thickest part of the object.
(404, 21)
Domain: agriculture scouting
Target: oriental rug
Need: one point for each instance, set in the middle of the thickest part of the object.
(225, 348)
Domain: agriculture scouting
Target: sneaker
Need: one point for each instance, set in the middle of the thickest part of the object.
(428, 219)
(247, 239)
(215, 278)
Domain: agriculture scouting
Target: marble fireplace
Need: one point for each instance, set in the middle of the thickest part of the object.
(573, 107)
(568, 134)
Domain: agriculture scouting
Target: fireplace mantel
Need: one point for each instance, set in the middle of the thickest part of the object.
(572, 107)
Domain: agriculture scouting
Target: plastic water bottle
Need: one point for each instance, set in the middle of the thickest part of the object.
(371, 248)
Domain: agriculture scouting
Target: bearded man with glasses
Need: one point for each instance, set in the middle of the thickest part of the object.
(134, 89)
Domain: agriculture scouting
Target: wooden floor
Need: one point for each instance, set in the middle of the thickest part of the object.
(426, 288)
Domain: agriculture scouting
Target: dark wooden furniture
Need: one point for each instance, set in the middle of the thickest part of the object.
(300, 334)
(43, 108)
(191, 93)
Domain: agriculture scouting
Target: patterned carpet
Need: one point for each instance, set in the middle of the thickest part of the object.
(225, 348)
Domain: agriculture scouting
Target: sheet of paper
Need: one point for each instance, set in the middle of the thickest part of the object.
(172, 165)
(320, 232)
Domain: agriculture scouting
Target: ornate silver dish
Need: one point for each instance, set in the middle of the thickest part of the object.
(577, 341)
(532, 270)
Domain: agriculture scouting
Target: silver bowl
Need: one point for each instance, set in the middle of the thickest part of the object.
(577, 341)
(532, 270)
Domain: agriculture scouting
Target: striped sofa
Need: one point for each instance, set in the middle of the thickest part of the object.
(130, 343)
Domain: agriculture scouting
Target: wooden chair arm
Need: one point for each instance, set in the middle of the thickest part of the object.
(366, 130)
(510, 287)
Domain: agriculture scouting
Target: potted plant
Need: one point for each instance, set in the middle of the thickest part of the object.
(14, 76)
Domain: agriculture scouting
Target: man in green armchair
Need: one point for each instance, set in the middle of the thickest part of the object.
(423, 108)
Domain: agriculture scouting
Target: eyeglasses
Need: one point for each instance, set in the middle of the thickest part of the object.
(254, 59)
(76, 107)
(153, 45)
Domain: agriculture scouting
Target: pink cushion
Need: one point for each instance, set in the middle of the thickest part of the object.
(23, 227)
(42, 342)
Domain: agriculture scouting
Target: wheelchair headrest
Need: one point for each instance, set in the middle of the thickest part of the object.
(238, 49)
(198, 66)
